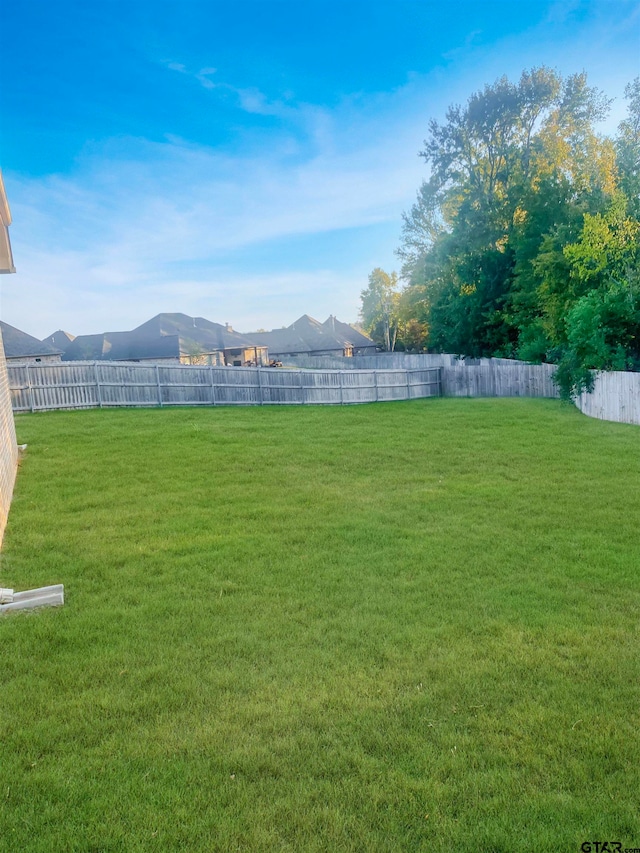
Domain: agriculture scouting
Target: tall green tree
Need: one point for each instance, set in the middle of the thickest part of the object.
(602, 325)
(628, 149)
(522, 197)
(380, 310)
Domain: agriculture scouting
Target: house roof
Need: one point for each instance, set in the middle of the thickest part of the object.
(164, 336)
(122, 346)
(350, 333)
(59, 339)
(18, 344)
(84, 348)
(196, 330)
(307, 335)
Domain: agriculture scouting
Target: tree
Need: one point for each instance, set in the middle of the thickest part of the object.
(525, 238)
(512, 175)
(603, 324)
(379, 313)
(412, 331)
(628, 149)
(603, 333)
(455, 239)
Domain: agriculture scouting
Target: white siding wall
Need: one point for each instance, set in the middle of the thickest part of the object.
(8, 444)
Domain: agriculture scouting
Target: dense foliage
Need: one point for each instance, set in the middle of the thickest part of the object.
(525, 239)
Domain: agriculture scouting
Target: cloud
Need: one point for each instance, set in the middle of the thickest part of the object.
(203, 78)
(561, 11)
(470, 41)
(78, 299)
(138, 221)
(140, 227)
(248, 99)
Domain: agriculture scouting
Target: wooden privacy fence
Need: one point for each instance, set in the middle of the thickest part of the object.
(83, 385)
(77, 385)
(615, 397)
(380, 361)
(471, 377)
(499, 378)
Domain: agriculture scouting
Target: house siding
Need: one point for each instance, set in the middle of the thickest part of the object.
(34, 359)
(8, 444)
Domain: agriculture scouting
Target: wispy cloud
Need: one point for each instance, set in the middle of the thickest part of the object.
(560, 11)
(204, 78)
(139, 221)
(470, 41)
(140, 226)
(249, 99)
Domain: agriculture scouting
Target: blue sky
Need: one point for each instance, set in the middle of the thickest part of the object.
(245, 161)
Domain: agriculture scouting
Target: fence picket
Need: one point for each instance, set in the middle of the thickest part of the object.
(213, 387)
(261, 392)
(29, 387)
(98, 389)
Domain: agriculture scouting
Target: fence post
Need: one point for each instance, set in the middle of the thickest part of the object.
(213, 387)
(260, 386)
(406, 375)
(341, 388)
(98, 388)
(375, 382)
(159, 386)
(30, 387)
(302, 394)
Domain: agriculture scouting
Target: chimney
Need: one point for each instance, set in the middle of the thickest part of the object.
(228, 327)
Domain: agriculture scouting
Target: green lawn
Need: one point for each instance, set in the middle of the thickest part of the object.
(394, 627)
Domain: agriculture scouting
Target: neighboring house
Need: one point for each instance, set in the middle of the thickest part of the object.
(21, 347)
(173, 338)
(361, 343)
(123, 346)
(307, 336)
(60, 340)
(202, 338)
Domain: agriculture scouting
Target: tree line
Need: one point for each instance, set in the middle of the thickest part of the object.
(524, 240)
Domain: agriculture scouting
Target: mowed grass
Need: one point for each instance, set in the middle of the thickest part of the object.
(393, 627)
